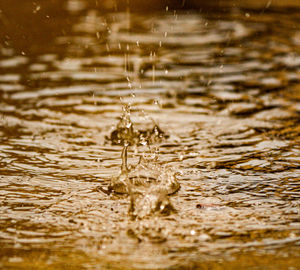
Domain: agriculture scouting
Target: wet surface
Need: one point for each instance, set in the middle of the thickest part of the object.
(223, 89)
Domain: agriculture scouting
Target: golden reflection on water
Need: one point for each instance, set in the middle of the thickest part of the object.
(222, 86)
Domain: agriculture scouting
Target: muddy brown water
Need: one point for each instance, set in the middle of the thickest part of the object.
(223, 87)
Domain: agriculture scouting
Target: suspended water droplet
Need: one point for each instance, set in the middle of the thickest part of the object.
(144, 142)
(269, 4)
(36, 9)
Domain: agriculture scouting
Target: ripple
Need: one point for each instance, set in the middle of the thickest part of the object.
(223, 89)
(13, 62)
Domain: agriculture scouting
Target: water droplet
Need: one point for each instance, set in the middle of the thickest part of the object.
(36, 9)
(144, 142)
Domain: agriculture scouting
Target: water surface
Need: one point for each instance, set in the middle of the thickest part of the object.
(225, 89)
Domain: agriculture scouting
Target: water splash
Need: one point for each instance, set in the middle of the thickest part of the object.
(126, 133)
(148, 184)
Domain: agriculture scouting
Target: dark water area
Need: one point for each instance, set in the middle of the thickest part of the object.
(214, 98)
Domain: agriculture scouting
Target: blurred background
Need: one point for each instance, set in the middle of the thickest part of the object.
(45, 19)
